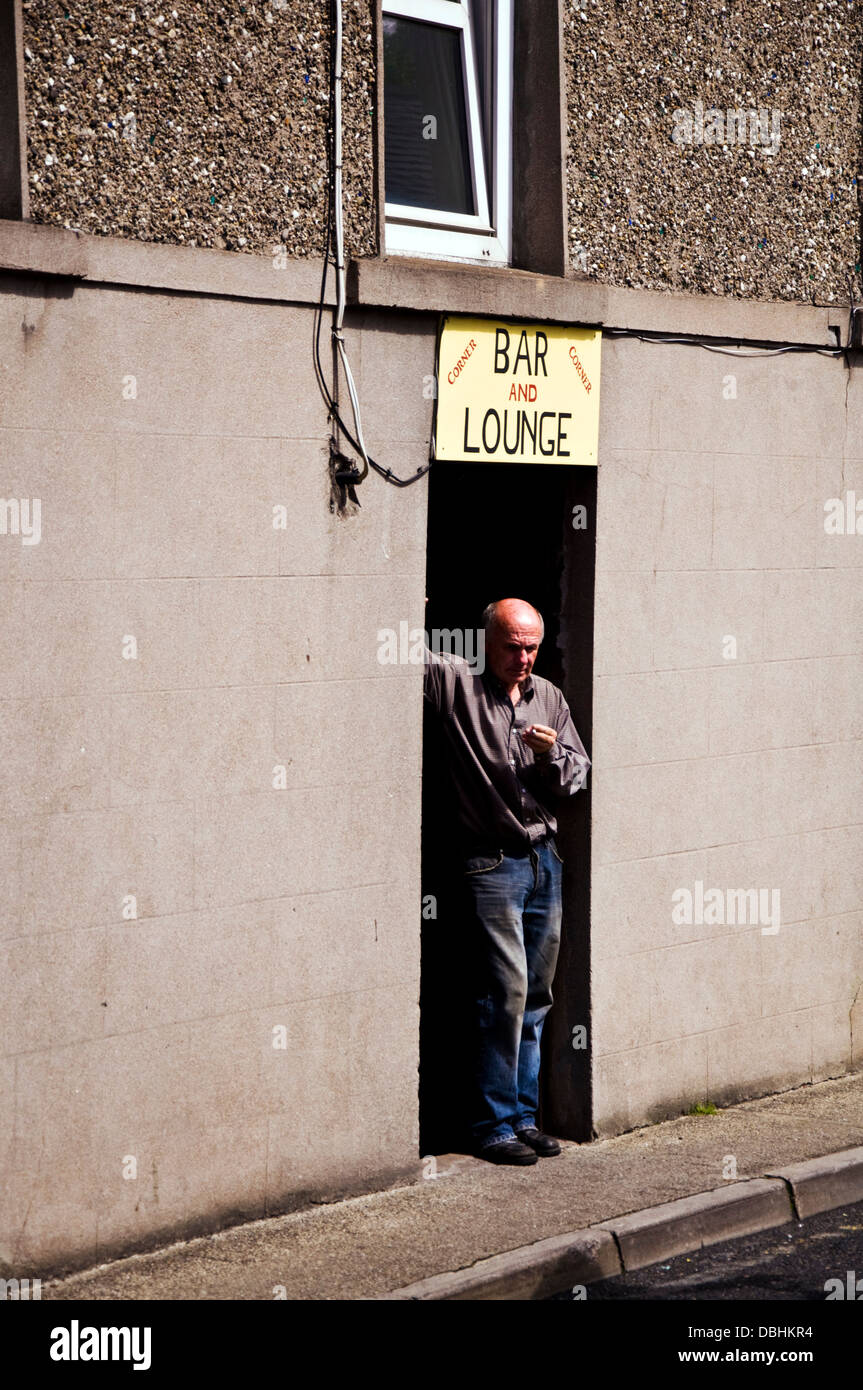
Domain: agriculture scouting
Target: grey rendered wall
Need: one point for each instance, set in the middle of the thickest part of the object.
(741, 773)
(154, 1038)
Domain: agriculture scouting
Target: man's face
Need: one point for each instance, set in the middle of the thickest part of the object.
(511, 647)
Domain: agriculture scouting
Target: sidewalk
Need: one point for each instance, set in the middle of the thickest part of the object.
(481, 1231)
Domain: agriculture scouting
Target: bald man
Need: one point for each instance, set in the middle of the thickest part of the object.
(511, 750)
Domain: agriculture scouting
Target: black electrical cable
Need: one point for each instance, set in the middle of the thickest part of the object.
(693, 340)
(350, 475)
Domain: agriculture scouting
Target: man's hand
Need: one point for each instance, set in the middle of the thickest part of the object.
(539, 737)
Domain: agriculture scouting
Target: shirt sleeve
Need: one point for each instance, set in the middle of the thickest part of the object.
(563, 769)
(441, 672)
(432, 678)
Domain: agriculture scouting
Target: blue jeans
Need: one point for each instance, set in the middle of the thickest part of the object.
(515, 907)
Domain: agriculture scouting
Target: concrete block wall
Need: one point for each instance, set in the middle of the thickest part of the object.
(159, 431)
(741, 773)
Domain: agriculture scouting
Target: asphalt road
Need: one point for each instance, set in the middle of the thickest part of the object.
(792, 1262)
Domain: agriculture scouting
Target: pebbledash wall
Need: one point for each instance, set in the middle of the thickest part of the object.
(210, 787)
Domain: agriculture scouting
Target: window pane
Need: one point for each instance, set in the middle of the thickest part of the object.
(425, 122)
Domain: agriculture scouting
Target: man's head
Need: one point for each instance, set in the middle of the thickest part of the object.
(513, 632)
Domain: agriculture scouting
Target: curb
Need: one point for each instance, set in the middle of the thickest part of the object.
(637, 1239)
(819, 1184)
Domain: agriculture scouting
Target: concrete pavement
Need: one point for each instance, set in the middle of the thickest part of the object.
(480, 1231)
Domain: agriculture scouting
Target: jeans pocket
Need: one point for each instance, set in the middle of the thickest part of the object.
(482, 863)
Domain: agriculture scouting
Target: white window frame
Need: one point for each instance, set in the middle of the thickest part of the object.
(486, 236)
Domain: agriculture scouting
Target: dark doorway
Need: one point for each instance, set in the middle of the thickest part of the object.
(497, 531)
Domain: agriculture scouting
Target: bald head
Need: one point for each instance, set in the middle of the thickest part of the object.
(507, 610)
(513, 632)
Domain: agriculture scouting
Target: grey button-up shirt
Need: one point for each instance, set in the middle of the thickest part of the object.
(503, 789)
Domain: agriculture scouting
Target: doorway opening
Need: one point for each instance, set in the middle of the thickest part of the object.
(508, 531)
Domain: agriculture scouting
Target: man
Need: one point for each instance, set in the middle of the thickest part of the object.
(511, 749)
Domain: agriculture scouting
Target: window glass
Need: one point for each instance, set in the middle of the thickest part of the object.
(425, 137)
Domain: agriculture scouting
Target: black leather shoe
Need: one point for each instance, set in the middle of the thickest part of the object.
(510, 1151)
(541, 1144)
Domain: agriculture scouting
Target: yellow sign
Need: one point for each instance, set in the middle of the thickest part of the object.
(517, 393)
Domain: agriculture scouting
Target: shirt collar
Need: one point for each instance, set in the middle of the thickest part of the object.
(527, 686)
